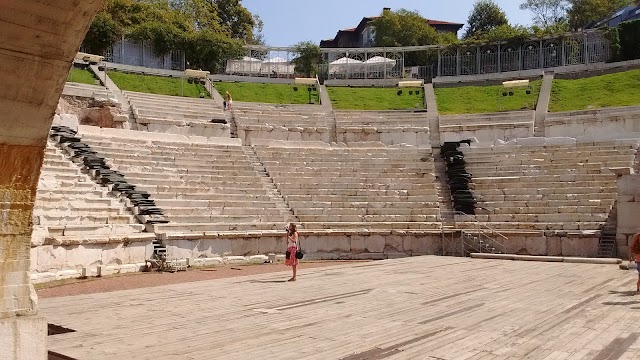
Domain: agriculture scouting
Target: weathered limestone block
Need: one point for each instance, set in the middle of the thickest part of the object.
(374, 243)
(554, 246)
(334, 244)
(83, 256)
(536, 245)
(580, 246)
(394, 244)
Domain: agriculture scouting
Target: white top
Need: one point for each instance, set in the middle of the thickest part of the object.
(292, 240)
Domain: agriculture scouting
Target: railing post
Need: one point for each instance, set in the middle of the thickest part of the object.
(563, 53)
(586, 49)
(499, 58)
(439, 62)
(541, 57)
(458, 61)
(478, 60)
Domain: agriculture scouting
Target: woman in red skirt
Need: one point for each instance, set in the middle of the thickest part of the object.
(292, 247)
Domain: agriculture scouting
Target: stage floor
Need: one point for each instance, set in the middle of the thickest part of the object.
(414, 308)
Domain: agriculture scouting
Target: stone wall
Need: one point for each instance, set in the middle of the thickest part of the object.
(39, 40)
(487, 127)
(62, 261)
(249, 133)
(610, 121)
(628, 210)
(388, 135)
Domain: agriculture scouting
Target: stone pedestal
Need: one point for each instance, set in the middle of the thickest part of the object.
(628, 209)
(21, 338)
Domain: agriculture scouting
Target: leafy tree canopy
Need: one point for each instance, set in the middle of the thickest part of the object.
(546, 12)
(208, 31)
(308, 56)
(583, 12)
(485, 16)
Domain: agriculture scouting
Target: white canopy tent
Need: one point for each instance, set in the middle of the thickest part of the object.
(246, 65)
(345, 65)
(277, 65)
(379, 63)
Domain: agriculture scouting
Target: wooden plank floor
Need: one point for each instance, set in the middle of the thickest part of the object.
(415, 308)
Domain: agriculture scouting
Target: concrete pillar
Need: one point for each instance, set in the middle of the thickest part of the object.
(39, 40)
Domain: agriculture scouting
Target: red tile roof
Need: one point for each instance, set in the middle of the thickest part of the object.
(440, 22)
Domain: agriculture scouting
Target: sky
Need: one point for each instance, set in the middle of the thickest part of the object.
(287, 22)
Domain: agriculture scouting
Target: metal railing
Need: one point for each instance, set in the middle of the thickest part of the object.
(480, 237)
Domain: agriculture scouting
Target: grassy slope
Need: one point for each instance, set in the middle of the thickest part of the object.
(81, 76)
(485, 99)
(156, 85)
(346, 98)
(620, 89)
(266, 93)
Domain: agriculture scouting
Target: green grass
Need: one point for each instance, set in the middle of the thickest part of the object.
(485, 99)
(157, 85)
(81, 76)
(620, 89)
(345, 98)
(267, 93)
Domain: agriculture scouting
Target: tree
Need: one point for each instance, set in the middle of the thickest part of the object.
(208, 31)
(407, 28)
(583, 12)
(403, 28)
(502, 33)
(546, 12)
(485, 16)
(308, 57)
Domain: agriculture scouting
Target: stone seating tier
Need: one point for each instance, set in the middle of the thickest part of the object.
(198, 186)
(329, 186)
(85, 90)
(69, 203)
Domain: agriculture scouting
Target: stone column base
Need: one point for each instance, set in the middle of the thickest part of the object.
(23, 338)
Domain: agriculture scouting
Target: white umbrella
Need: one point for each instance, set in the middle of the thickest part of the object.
(245, 65)
(381, 61)
(345, 64)
(278, 65)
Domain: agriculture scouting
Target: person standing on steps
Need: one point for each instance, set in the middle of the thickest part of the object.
(229, 100)
(634, 249)
(292, 248)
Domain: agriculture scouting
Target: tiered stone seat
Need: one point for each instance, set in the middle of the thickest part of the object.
(330, 187)
(388, 127)
(487, 127)
(69, 203)
(280, 122)
(85, 90)
(178, 115)
(547, 187)
(199, 186)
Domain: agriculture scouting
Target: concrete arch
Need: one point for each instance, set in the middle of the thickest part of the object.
(38, 40)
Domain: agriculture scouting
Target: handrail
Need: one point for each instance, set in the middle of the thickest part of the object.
(481, 232)
(474, 220)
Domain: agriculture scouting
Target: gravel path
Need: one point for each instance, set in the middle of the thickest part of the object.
(142, 280)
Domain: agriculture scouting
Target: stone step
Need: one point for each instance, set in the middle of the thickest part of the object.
(215, 227)
(186, 190)
(211, 196)
(223, 218)
(167, 203)
(538, 226)
(170, 212)
(371, 225)
(83, 219)
(331, 210)
(367, 218)
(94, 229)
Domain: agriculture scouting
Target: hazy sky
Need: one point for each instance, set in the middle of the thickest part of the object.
(287, 22)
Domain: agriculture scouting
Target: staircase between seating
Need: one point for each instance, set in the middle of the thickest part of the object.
(230, 116)
(607, 247)
(267, 181)
(444, 193)
(476, 237)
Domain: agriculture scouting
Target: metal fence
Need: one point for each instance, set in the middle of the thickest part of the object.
(129, 52)
(575, 49)
(392, 63)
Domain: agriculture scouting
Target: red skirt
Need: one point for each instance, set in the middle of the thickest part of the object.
(292, 260)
